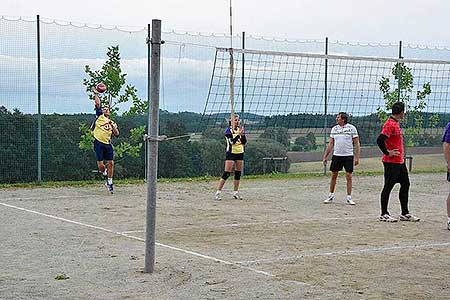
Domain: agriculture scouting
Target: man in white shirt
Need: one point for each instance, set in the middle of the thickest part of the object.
(343, 139)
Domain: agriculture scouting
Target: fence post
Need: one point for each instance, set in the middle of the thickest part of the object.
(153, 132)
(399, 70)
(325, 125)
(242, 88)
(39, 116)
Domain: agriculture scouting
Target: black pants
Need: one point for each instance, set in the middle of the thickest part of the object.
(395, 173)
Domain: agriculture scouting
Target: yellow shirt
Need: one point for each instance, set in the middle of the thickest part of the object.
(103, 129)
(236, 147)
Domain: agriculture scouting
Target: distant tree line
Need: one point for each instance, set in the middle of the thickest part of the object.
(62, 158)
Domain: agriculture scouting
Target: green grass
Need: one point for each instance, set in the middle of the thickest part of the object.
(427, 163)
(430, 163)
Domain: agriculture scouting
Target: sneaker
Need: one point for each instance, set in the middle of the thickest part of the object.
(448, 225)
(350, 201)
(409, 217)
(217, 196)
(110, 187)
(329, 199)
(387, 218)
(236, 195)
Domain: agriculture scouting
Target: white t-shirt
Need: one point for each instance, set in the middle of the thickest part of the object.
(343, 139)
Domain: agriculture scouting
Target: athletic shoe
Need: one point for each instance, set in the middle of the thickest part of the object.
(110, 187)
(387, 218)
(448, 225)
(350, 201)
(236, 195)
(329, 199)
(217, 196)
(409, 217)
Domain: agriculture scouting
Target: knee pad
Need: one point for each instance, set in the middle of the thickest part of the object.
(225, 175)
(237, 175)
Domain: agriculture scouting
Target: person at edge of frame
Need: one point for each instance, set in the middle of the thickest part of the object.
(446, 150)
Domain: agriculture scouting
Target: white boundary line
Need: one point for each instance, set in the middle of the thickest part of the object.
(140, 239)
(350, 252)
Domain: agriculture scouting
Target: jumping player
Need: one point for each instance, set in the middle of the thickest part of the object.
(103, 128)
(235, 139)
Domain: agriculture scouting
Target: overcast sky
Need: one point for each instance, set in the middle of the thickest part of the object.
(412, 21)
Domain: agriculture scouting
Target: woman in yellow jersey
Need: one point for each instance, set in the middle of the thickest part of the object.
(235, 138)
(103, 128)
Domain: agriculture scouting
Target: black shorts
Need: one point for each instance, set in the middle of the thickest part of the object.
(103, 151)
(234, 156)
(337, 162)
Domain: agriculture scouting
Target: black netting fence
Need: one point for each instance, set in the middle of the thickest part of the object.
(43, 136)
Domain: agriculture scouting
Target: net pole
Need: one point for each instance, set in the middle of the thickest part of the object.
(153, 132)
(39, 115)
(325, 109)
(399, 70)
(231, 86)
(243, 76)
(231, 68)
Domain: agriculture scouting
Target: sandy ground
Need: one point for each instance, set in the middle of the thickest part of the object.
(279, 242)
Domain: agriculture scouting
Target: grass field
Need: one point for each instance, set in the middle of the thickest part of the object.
(420, 164)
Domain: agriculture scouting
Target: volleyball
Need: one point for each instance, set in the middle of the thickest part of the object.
(101, 87)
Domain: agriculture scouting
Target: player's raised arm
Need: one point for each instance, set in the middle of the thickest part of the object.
(96, 98)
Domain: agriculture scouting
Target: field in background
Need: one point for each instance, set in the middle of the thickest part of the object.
(279, 242)
(420, 163)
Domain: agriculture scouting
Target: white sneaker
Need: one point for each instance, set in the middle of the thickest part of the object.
(329, 199)
(387, 218)
(217, 196)
(236, 195)
(350, 201)
(409, 217)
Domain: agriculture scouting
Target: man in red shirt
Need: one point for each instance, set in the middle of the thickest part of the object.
(390, 142)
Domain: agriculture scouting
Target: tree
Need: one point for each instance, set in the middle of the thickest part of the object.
(259, 149)
(117, 92)
(278, 134)
(305, 143)
(404, 84)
